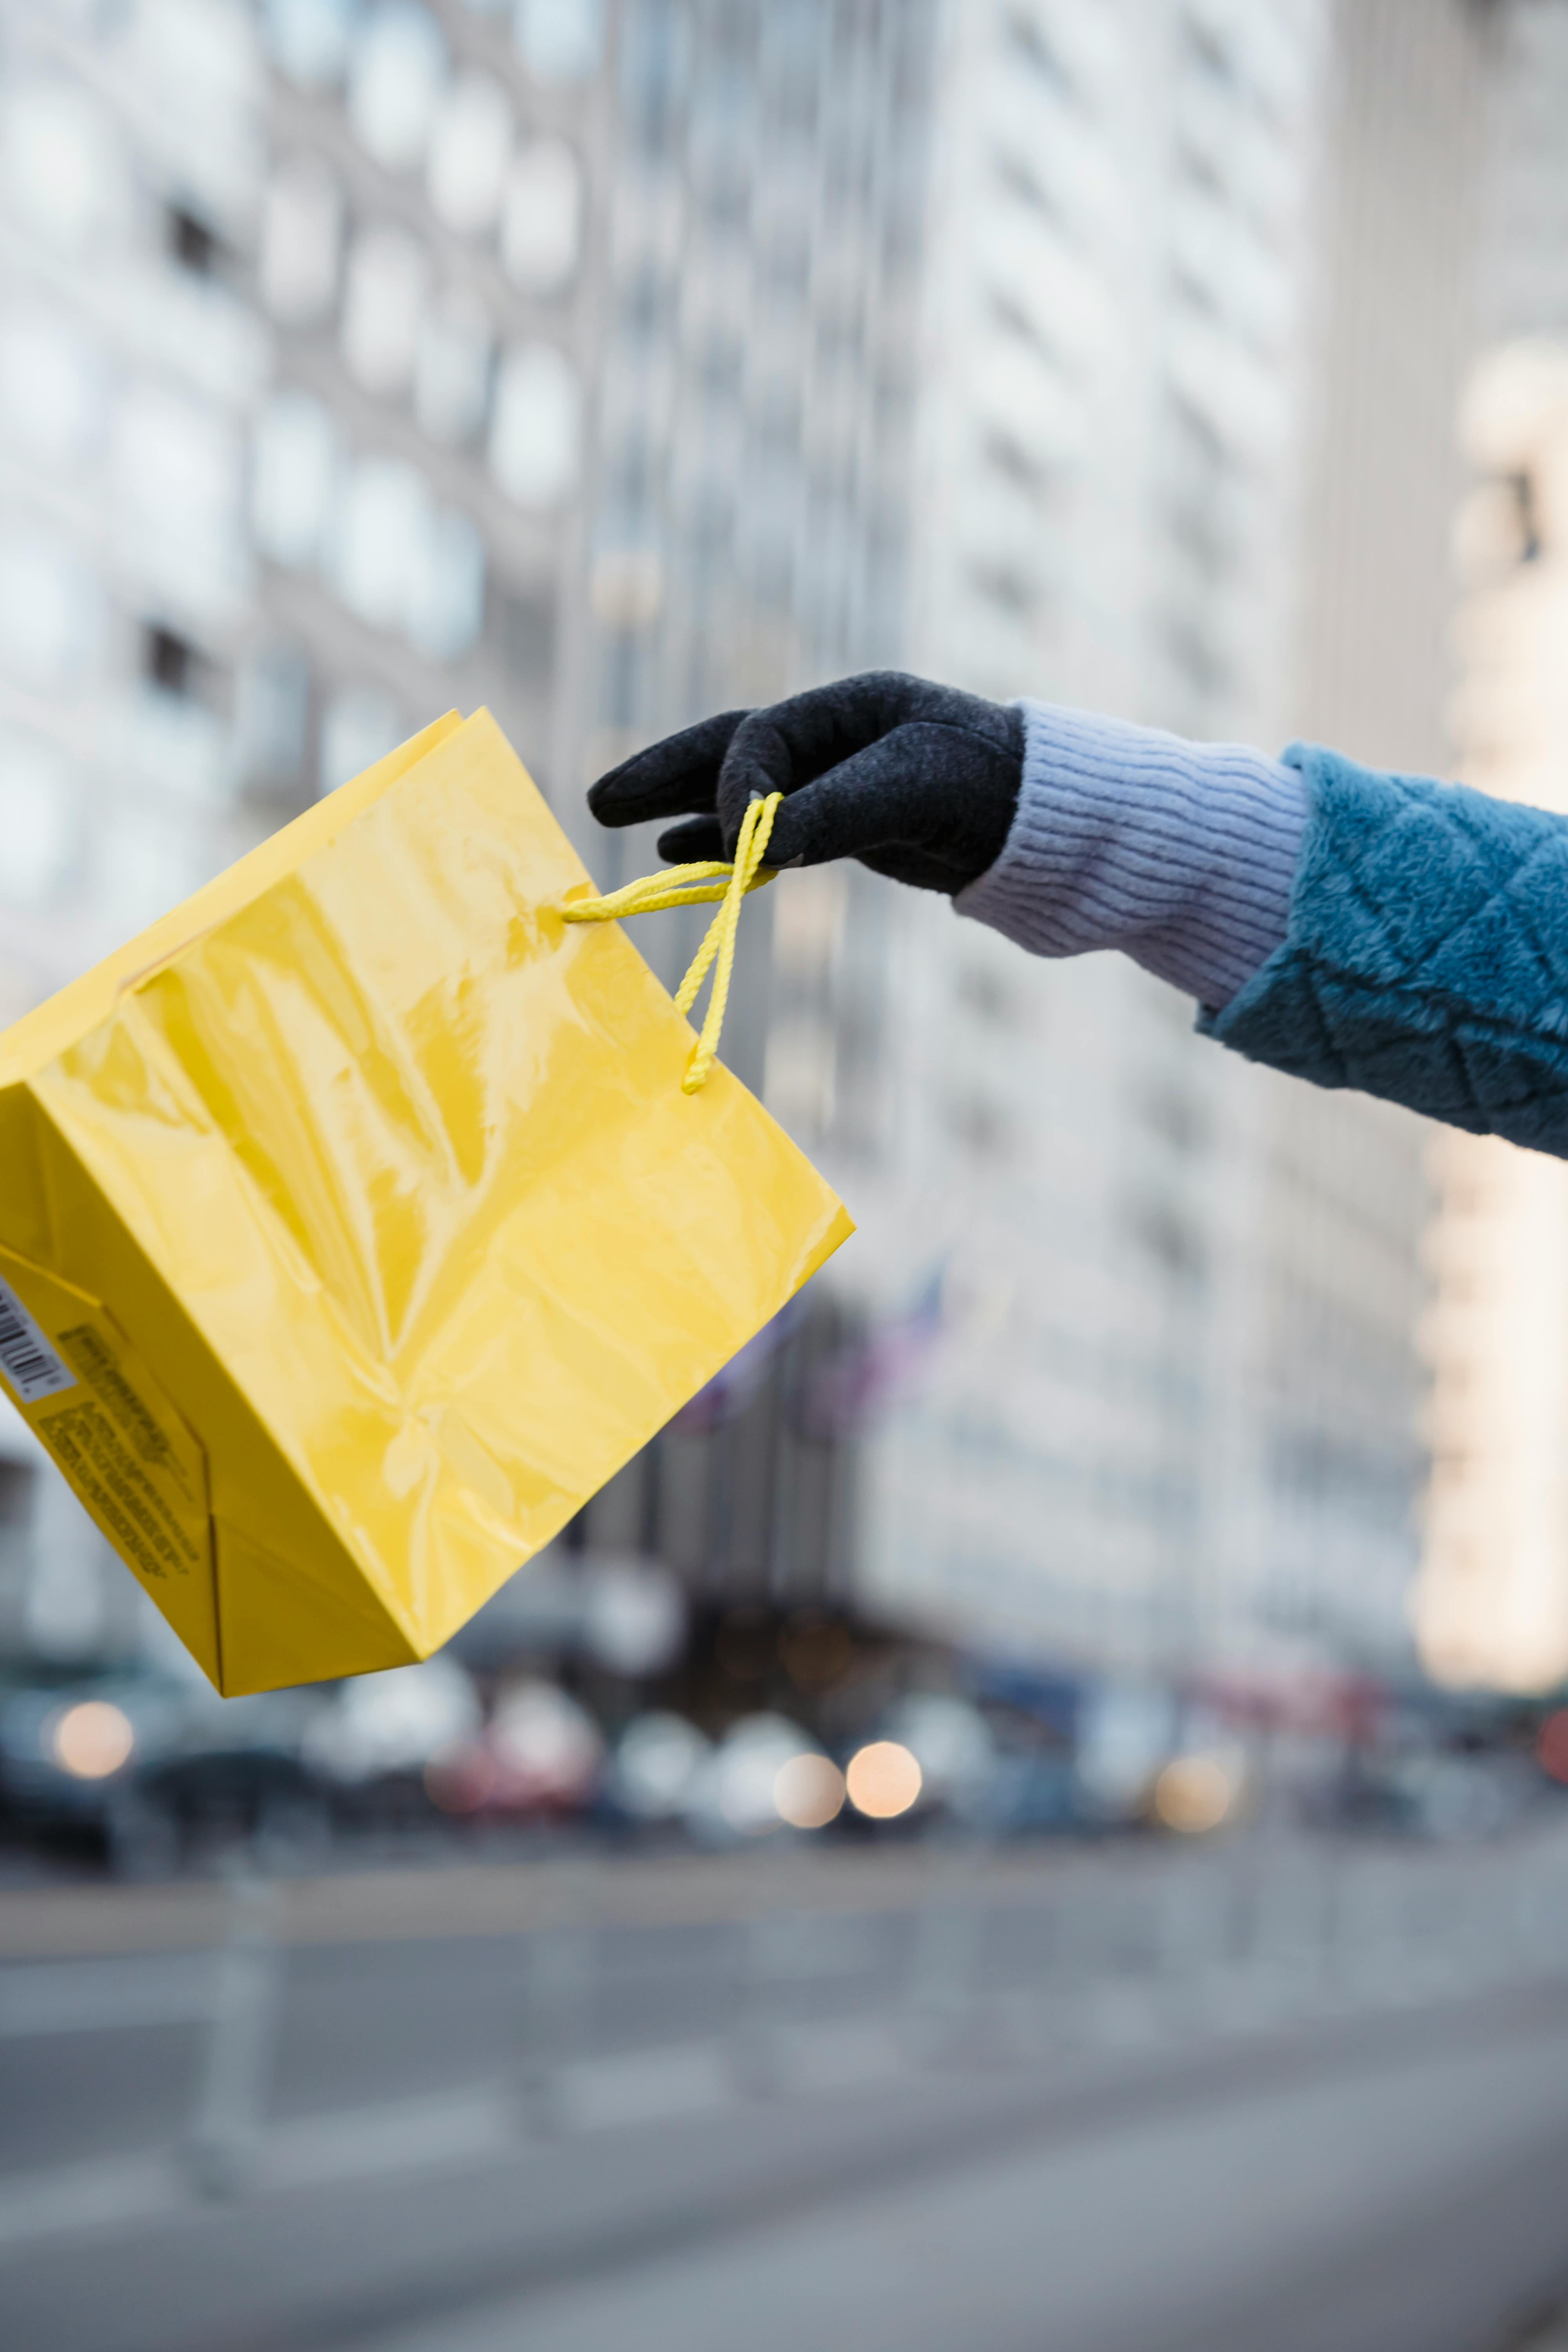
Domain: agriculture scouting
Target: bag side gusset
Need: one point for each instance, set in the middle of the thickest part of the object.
(301, 1588)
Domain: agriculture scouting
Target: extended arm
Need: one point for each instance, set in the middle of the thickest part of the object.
(1406, 938)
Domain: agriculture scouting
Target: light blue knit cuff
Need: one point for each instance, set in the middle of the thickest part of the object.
(1181, 853)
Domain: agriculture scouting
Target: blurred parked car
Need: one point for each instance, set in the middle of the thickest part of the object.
(954, 1748)
(540, 1754)
(234, 1770)
(656, 1760)
(70, 1751)
(765, 1774)
(147, 1763)
(1430, 1792)
(372, 1743)
(1032, 1789)
(1126, 1734)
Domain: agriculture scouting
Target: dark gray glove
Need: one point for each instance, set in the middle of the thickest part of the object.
(916, 781)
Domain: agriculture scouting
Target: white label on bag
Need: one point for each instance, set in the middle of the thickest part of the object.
(26, 1358)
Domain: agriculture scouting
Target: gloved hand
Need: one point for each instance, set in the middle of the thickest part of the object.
(918, 782)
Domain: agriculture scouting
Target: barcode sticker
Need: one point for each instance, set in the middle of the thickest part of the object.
(26, 1358)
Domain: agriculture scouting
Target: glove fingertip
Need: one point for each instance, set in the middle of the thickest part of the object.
(684, 845)
(789, 843)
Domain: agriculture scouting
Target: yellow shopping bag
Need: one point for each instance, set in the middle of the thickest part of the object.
(355, 1226)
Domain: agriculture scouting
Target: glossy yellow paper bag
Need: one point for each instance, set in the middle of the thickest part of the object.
(354, 1227)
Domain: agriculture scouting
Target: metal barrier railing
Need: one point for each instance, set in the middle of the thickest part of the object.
(1239, 1939)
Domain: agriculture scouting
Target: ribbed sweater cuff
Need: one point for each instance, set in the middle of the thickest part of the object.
(1181, 853)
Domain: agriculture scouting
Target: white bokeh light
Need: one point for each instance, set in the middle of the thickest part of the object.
(40, 819)
(309, 39)
(446, 601)
(62, 164)
(452, 368)
(536, 437)
(388, 274)
(293, 480)
(52, 613)
(559, 40)
(178, 504)
(54, 387)
(470, 149)
(358, 726)
(381, 539)
(541, 227)
(396, 79)
(302, 230)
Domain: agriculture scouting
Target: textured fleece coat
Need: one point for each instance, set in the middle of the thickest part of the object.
(1424, 956)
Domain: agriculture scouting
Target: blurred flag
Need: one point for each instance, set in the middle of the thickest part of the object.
(730, 1391)
(860, 1381)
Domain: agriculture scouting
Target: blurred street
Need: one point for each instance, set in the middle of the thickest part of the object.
(1281, 2096)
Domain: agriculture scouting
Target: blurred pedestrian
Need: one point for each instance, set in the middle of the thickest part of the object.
(1356, 928)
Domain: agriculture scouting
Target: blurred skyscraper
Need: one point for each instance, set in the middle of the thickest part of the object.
(1523, 286)
(429, 254)
(1193, 301)
(132, 366)
(1493, 1598)
(297, 306)
(614, 362)
(758, 399)
(1201, 296)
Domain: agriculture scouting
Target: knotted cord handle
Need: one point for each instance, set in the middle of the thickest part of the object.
(686, 886)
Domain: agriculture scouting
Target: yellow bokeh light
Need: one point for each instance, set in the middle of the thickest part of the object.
(92, 1739)
(1194, 1793)
(883, 1780)
(808, 1792)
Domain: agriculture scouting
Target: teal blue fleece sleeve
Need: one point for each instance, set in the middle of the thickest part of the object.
(1424, 956)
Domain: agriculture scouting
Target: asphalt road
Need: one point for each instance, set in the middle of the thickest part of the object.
(1413, 2201)
(738, 2139)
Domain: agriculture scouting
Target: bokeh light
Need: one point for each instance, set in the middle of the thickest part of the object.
(883, 1780)
(808, 1792)
(92, 1739)
(1194, 1794)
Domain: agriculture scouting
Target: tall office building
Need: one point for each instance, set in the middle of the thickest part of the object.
(301, 332)
(1493, 1597)
(1524, 284)
(1183, 463)
(757, 376)
(427, 255)
(132, 366)
(298, 335)
(1492, 1604)
(758, 392)
(975, 338)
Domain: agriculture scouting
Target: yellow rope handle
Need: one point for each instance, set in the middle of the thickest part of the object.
(686, 886)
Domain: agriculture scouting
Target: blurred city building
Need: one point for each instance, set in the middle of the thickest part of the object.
(1493, 1599)
(1492, 1605)
(758, 392)
(1523, 284)
(614, 362)
(428, 255)
(1122, 1369)
(133, 367)
(1200, 301)
(299, 304)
